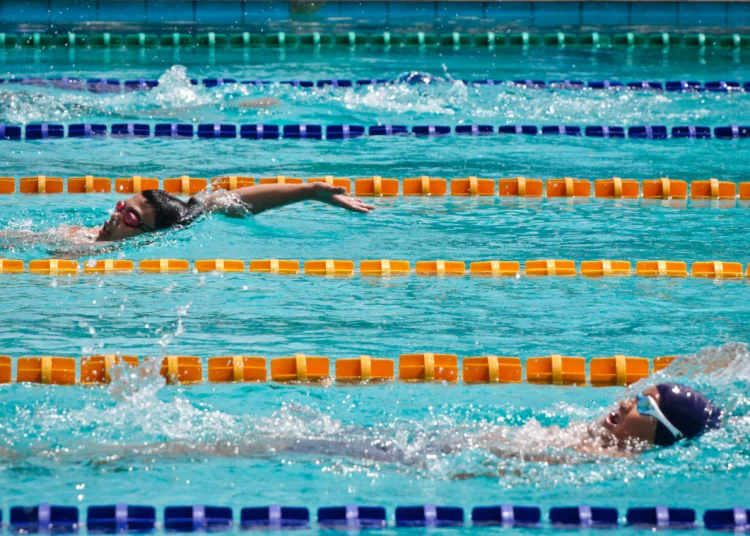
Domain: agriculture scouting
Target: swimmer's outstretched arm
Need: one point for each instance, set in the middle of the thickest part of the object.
(267, 196)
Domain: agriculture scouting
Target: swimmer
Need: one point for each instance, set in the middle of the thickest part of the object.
(156, 210)
(660, 416)
(82, 109)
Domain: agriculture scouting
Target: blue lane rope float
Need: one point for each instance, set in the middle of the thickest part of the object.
(275, 517)
(506, 515)
(661, 517)
(118, 518)
(53, 131)
(731, 519)
(43, 518)
(115, 85)
(352, 517)
(429, 515)
(583, 516)
(197, 518)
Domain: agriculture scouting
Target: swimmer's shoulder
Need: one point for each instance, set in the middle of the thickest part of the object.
(76, 234)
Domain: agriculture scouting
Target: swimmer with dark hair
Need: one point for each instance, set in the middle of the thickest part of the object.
(156, 210)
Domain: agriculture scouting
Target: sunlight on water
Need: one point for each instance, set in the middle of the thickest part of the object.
(141, 441)
(410, 97)
(521, 443)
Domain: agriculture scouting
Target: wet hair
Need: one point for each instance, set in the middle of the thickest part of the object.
(170, 210)
(690, 411)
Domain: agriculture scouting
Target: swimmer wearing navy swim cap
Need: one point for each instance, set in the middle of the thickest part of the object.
(662, 415)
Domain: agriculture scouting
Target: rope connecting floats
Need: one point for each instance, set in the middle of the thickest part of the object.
(384, 268)
(115, 85)
(478, 40)
(51, 131)
(555, 369)
(615, 188)
(119, 518)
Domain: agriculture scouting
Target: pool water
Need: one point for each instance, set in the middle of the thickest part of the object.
(138, 441)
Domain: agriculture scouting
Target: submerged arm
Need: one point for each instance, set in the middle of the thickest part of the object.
(268, 196)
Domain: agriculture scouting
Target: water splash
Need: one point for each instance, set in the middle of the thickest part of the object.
(136, 417)
(420, 95)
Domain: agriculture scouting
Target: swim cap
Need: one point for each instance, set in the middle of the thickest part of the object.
(688, 410)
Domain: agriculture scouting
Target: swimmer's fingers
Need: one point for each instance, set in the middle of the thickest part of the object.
(362, 204)
(351, 203)
(338, 197)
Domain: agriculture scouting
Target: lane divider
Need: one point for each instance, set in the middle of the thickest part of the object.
(222, 131)
(115, 85)
(387, 268)
(555, 369)
(368, 40)
(568, 187)
(118, 518)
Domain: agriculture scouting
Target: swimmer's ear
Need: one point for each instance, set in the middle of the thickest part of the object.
(192, 202)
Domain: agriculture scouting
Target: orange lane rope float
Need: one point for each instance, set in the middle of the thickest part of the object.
(385, 267)
(555, 369)
(568, 187)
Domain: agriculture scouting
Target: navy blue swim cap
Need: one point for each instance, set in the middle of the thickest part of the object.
(691, 412)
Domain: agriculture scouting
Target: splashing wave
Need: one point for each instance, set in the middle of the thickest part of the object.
(136, 418)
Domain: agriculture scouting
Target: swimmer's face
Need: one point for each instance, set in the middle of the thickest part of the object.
(130, 218)
(624, 422)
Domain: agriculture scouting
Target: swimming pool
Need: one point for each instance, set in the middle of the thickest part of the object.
(139, 441)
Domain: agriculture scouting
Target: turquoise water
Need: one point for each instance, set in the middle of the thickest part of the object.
(141, 442)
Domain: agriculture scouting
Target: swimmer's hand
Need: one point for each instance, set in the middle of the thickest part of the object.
(336, 196)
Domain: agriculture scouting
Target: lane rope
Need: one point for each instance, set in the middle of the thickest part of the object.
(227, 131)
(429, 367)
(385, 268)
(116, 518)
(615, 188)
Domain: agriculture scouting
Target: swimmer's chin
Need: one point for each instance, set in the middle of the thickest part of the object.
(102, 236)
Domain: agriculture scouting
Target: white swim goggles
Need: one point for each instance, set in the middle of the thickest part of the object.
(647, 406)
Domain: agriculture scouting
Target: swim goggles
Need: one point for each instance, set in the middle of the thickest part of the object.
(647, 406)
(130, 219)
